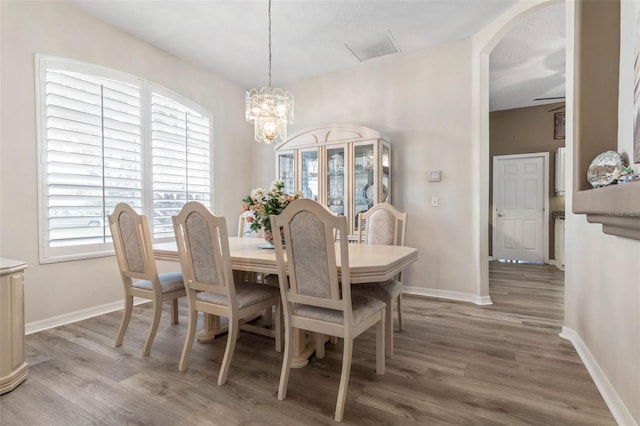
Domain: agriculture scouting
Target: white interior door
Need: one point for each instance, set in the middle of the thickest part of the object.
(519, 198)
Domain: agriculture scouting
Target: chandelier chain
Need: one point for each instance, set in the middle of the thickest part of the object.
(269, 110)
(269, 43)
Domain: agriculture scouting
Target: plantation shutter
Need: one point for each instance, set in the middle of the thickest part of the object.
(106, 137)
(93, 155)
(181, 160)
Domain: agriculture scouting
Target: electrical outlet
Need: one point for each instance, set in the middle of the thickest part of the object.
(434, 201)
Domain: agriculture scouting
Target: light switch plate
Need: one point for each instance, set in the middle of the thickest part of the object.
(435, 176)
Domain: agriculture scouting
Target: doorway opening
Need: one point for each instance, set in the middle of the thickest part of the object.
(514, 142)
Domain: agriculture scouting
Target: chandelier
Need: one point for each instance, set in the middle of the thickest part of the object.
(269, 110)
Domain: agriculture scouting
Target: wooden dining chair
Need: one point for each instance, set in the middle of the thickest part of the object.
(386, 225)
(313, 298)
(245, 231)
(203, 247)
(132, 244)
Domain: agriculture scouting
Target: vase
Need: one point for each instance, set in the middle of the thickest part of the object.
(268, 238)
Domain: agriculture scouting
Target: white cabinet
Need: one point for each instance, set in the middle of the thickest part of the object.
(560, 171)
(13, 369)
(343, 166)
(559, 243)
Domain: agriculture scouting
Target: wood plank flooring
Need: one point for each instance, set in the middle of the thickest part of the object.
(455, 364)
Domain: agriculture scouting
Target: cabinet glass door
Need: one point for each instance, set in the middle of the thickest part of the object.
(363, 179)
(336, 188)
(286, 171)
(309, 174)
(386, 174)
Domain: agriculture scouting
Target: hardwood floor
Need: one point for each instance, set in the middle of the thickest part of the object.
(456, 363)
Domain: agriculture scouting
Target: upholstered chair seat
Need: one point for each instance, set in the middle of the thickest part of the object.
(247, 294)
(170, 281)
(385, 290)
(362, 307)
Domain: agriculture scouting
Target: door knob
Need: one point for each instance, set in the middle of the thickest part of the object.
(500, 214)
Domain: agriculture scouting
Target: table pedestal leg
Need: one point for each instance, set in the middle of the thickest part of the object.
(212, 328)
(303, 348)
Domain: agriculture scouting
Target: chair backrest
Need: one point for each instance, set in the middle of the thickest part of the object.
(244, 226)
(308, 229)
(203, 247)
(382, 224)
(132, 244)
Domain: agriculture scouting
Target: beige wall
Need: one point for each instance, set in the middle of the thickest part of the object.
(602, 290)
(421, 102)
(522, 131)
(55, 28)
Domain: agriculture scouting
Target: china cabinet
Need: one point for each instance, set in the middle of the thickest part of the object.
(13, 368)
(343, 166)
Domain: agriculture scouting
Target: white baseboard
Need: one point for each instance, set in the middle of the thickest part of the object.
(45, 324)
(445, 294)
(618, 409)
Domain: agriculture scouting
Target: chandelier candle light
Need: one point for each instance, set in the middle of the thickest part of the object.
(269, 110)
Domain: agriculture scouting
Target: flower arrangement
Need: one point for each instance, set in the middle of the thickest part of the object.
(263, 204)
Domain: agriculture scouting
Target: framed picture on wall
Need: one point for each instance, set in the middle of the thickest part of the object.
(558, 125)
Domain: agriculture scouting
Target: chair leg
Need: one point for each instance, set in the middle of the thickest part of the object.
(268, 315)
(286, 361)
(319, 342)
(400, 322)
(174, 311)
(344, 377)
(232, 336)
(380, 345)
(188, 342)
(157, 312)
(126, 316)
(279, 328)
(388, 319)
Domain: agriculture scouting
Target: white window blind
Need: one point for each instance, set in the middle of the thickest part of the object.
(93, 156)
(107, 137)
(181, 160)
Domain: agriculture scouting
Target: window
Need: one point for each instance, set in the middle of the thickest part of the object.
(106, 137)
(180, 160)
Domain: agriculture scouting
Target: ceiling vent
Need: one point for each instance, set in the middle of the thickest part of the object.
(373, 47)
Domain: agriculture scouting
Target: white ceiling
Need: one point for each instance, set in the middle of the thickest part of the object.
(309, 37)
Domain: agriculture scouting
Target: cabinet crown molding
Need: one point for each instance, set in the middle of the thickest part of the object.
(329, 134)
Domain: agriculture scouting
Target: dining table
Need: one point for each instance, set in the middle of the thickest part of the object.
(367, 263)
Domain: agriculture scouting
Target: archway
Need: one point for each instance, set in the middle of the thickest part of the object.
(483, 43)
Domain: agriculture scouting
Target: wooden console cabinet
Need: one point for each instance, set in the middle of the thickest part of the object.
(13, 368)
